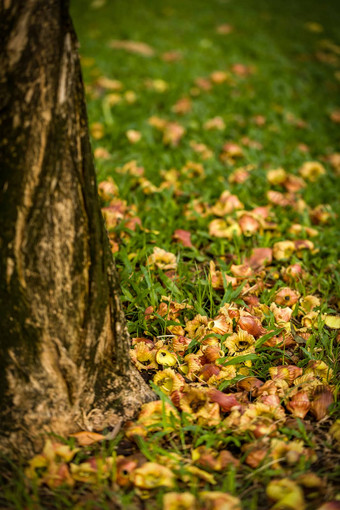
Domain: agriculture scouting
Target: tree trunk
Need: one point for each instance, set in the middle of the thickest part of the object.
(64, 360)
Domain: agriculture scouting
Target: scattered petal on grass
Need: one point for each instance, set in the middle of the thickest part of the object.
(133, 47)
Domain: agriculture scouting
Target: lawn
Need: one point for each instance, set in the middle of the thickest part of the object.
(215, 130)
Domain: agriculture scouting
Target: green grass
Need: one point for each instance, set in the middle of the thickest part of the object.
(289, 83)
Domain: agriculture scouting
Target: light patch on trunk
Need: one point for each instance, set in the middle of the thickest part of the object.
(9, 270)
(64, 70)
(19, 36)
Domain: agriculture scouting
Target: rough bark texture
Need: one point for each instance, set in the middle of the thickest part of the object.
(64, 360)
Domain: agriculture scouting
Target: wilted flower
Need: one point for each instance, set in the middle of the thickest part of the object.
(97, 130)
(195, 402)
(335, 431)
(220, 228)
(275, 387)
(143, 356)
(251, 325)
(286, 297)
(320, 370)
(173, 133)
(197, 327)
(183, 105)
(258, 451)
(93, 471)
(133, 136)
(180, 344)
(277, 176)
(287, 494)
(312, 170)
(286, 372)
(249, 384)
(162, 259)
(212, 353)
(249, 223)
(207, 371)
(310, 320)
(152, 475)
(220, 501)
(308, 383)
(225, 374)
(226, 402)
(286, 452)
(241, 270)
(152, 414)
(125, 466)
(259, 418)
(221, 324)
(282, 315)
(168, 380)
(226, 204)
(179, 501)
(50, 467)
(183, 237)
(293, 273)
(216, 278)
(191, 366)
(283, 250)
(308, 303)
(215, 123)
(209, 458)
(240, 343)
(107, 189)
(260, 257)
(166, 358)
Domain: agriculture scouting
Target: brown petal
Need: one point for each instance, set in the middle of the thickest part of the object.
(249, 384)
(226, 402)
(251, 325)
(299, 404)
(323, 398)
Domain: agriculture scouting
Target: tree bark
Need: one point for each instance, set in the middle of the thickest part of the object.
(64, 347)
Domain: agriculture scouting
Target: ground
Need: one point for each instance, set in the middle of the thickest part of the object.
(215, 129)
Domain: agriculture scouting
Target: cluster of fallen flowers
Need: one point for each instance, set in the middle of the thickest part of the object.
(206, 366)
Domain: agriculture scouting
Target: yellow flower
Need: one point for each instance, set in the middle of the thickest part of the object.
(221, 324)
(143, 357)
(312, 170)
(220, 501)
(283, 250)
(153, 413)
(287, 452)
(308, 303)
(93, 471)
(168, 380)
(179, 501)
(166, 358)
(277, 176)
(197, 327)
(220, 228)
(162, 259)
(287, 494)
(320, 370)
(195, 402)
(191, 367)
(152, 475)
(226, 374)
(240, 343)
